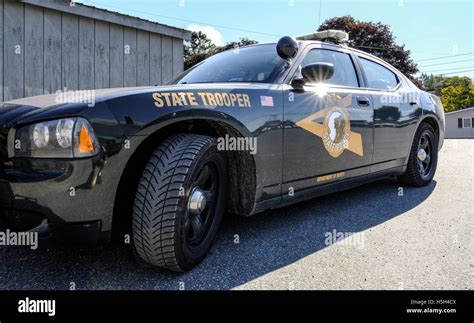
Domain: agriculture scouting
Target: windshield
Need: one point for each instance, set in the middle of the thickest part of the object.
(259, 64)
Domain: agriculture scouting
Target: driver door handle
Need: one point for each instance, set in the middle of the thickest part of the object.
(363, 101)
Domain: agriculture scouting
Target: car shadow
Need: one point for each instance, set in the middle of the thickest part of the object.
(245, 248)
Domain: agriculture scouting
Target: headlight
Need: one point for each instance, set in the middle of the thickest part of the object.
(64, 138)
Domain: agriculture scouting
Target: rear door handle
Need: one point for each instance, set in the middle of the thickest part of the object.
(363, 101)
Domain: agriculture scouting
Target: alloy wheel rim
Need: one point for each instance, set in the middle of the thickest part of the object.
(201, 206)
(424, 155)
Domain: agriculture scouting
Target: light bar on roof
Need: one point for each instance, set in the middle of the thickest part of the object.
(335, 36)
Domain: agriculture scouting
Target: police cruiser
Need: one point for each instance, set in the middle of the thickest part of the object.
(150, 162)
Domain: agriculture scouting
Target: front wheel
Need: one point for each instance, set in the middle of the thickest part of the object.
(179, 203)
(423, 158)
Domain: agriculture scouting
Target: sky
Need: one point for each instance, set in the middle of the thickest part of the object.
(431, 29)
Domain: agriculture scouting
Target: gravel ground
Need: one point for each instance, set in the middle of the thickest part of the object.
(421, 240)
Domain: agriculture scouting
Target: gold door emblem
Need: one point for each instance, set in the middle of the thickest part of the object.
(335, 131)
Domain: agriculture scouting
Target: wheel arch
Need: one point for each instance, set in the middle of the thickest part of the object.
(433, 122)
(242, 187)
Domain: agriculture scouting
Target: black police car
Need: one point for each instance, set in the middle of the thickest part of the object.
(166, 163)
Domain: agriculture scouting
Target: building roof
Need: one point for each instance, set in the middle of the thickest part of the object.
(460, 110)
(111, 17)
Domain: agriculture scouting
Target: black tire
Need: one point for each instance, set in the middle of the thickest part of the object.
(416, 174)
(167, 231)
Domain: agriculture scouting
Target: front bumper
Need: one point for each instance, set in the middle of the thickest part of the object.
(67, 199)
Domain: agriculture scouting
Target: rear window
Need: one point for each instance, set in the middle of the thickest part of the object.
(378, 76)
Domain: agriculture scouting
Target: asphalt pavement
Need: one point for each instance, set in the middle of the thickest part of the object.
(376, 236)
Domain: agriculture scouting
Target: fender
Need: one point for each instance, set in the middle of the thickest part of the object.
(141, 118)
(432, 108)
(173, 117)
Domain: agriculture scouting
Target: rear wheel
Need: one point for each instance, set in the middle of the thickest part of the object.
(423, 158)
(179, 202)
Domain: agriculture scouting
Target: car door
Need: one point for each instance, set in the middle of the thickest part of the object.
(328, 127)
(396, 111)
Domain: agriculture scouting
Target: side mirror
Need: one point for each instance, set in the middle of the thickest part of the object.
(287, 48)
(298, 83)
(318, 72)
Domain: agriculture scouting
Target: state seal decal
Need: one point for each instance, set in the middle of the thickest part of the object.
(335, 131)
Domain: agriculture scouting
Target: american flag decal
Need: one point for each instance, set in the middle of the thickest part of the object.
(266, 101)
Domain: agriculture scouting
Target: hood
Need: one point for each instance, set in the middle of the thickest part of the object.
(64, 102)
(61, 97)
(55, 99)
(10, 112)
(15, 109)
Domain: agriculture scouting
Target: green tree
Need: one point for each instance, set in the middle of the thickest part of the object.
(199, 43)
(433, 83)
(458, 93)
(236, 44)
(197, 49)
(201, 47)
(377, 39)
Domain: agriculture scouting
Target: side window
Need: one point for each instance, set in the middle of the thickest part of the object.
(344, 72)
(378, 77)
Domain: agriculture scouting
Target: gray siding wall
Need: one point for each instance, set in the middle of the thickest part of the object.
(451, 127)
(44, 50)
